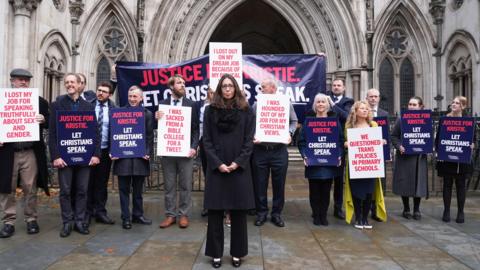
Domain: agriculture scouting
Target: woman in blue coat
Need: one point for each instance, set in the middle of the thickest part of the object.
(320, 177)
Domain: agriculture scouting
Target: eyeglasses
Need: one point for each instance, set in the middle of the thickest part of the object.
(225, 86)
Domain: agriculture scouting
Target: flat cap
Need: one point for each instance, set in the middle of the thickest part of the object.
(20, 72)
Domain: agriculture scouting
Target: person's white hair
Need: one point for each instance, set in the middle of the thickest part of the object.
(320, 96)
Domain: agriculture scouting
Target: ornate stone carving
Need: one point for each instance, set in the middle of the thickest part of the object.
(396, 43)
(24, 7)
(76, 8)
(437, 10)
(59, 4)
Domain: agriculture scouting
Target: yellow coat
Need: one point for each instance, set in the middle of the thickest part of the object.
(381, 211)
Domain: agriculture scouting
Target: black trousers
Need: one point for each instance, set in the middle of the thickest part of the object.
(135, 184)
(319, 196)
(338, 188)
(73, 177)
(238, 235)
(461, 192)
(362, 207)
(98, 186)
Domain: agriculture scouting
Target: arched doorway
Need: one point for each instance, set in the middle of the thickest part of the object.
(260, 29)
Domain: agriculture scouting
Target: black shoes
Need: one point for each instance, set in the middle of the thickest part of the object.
(236, 262)
(260, 220)
(460, 217)
(338, 213)
(376, 218)
(204, 213)
(66, 230)
(126, 224)
(417, 215)
(32, 227)
(142, 220)
(406, 214)
(216, 262)
(366, 225)
(320, 221)
(7, 231)
(104, 219)
(278, 221)
(81, 228)
(446, 216)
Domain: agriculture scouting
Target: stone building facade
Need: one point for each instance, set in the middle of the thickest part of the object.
(403, 47)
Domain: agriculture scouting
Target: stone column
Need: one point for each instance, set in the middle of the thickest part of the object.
(355, 75)
(76, 9)
(328, 83)
(22, 10)
(437, 10)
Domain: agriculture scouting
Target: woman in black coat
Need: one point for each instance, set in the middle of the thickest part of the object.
(228, 130)
(453, 171)
(320, 177)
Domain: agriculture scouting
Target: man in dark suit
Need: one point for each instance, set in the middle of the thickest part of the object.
(99, 175)
(77, 175)
(341, 105)
(179, 166)
(373, 99)
(26, 161)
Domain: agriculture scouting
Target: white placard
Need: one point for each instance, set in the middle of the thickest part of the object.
(18, 108)
(365, 152)
(225, 57)
(173, 134)
(273, 118)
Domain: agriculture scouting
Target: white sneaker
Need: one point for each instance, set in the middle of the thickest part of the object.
(359, 225)
(367, 226)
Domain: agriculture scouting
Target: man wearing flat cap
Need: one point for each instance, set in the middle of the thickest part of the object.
(23, 163)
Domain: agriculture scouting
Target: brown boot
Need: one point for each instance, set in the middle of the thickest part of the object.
(183, 223)
(169, 221)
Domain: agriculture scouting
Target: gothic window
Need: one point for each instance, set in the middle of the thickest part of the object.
(53, 71)
(460, 72)
(396, 43)
(103, 70)
(386, 85)
(407, 81)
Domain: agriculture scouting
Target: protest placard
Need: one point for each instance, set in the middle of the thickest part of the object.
(18, 109)
(174, 131)
(225, 57)
(272, 121)
(382, 122)
(416, 128)
(365, 153)
(455, 139)
(127, 132)
(76, 136)
(322, 137)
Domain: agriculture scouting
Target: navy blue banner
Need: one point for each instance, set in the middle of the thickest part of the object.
(127, 132)
(455, 139)
(382, 122)
(322, 137)
(76, 136)
(417, 131)
(300, 77)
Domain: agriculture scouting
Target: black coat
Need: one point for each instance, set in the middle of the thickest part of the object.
(228, 190)
(40, 150)
(137, 166)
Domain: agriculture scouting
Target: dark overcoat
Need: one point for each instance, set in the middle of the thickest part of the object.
(137, 166)
(40, 150)
(228, 190)
(410, 172)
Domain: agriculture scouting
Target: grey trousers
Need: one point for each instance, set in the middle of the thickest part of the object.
(181, 167)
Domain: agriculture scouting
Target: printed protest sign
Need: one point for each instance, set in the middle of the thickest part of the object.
(127, 132)
(382, 122)
(76, 136)
(455, 139)
(322, 137)
(18, 109)
(365, 153)
(417, 132)
(174, 131)
(225, 57)
(272, 122)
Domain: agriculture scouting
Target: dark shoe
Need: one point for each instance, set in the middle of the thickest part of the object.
(252, 212)
(142, 220)
(260, 220)
(377, 219)
(446, 216)
(217, 263)
(359, 225)
(169, 221)
(278, 221)
(417, 215)
(104, 219)
(236, 262)
(338, 213)
(406, 215)
(88, 220)
(316, 221)
(323, 221)
(32, 227)
(366, 225)
(204, 212)
(460, 217)
(66, 230)
(81, 228)
(7, 231)
(126, 224)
